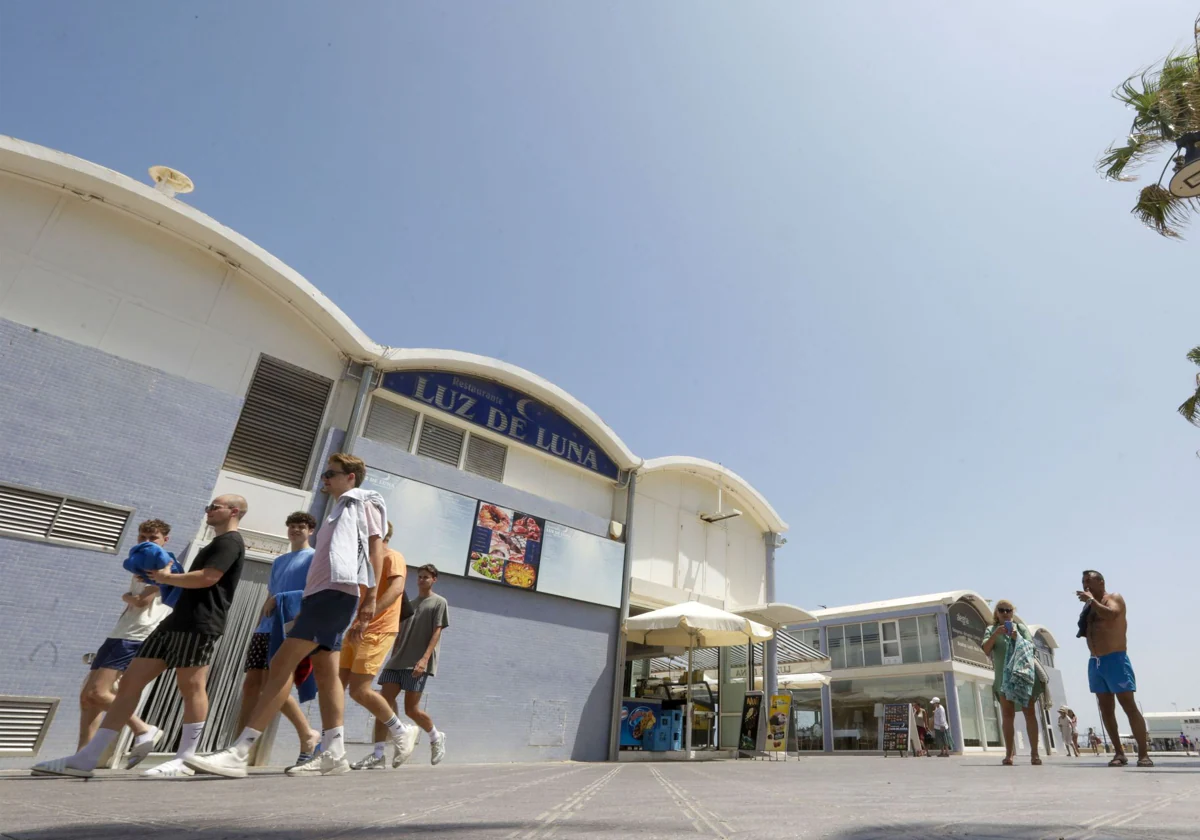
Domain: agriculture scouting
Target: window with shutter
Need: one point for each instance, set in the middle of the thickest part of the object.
(440, 442)
(280, 421)
(485, 458)
(41, 516)
(390, 423)
(24, 722)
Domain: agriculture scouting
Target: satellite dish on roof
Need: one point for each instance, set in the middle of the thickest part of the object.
(170, 181)
(1185, 183)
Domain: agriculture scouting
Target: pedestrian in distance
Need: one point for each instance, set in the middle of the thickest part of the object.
(941, 728)
(1004, 632)
(1064, 728)
(289, 572)
(185, 640)
(144, 609)
(362, 661)
(922, 722)
(1104, 622)
(339, 596)
(1074, 730)
(415, 659)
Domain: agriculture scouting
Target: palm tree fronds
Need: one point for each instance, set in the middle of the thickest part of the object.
(1160, 211)
(1119, 159)
(1194, 357)
(1190, 409)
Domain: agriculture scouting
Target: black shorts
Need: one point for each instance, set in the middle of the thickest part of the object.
(324, 618)
(256, 652)
(180, 648)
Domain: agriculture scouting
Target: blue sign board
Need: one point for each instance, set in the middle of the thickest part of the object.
(504, 412)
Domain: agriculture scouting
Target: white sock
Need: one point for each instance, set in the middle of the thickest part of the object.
(189, 739)
(395, 725)
(88, 757)
(434, 735)
(149, 736)
(245, 741)
(333, 740)
(379, 746)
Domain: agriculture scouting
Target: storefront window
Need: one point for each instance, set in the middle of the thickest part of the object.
(807, 732)
(854, 651)
(991, 716)
(969, 713)
(927, 630)
(811, 637)
(837, 648)
(871, 649)
(733, 671)
(854, 702)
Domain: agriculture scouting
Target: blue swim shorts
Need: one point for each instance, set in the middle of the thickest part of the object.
(1111, 674)
(324, 618)
(115, 654)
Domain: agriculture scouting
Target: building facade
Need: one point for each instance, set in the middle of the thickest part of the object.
(151, 358)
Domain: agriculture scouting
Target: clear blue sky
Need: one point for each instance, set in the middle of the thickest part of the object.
(854, 251)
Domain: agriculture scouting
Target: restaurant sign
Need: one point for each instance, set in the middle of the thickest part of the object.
(505, 412)
(967, 630)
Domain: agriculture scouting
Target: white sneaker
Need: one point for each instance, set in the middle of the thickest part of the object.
(370, 762)
(59, 767)
(170, 769)
(405, 744)
(437, 749)
(227, 763)
(141, 752)
(321, 765)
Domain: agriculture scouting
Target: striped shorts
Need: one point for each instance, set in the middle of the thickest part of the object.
(179, 648)
(404, 677)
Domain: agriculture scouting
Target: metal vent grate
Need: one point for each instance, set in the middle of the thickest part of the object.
(391, 423)
(485, 458)
(34, 515)
(279, 424)
(440, 442)
(24, 722)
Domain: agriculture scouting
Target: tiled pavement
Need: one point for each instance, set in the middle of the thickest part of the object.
(841, 798)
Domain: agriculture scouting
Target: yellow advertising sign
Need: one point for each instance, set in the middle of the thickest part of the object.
(777, 722)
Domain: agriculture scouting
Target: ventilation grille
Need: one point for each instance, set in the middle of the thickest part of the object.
(391, 423)
(440, 442)
(24, 722)
(41, 516)
(280, 420)
(485, 458)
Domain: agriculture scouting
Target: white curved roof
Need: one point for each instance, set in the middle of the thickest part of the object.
(755, 503)
(913, 602)
(1034, 629)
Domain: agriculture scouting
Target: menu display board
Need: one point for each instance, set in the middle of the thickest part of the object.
(576, 564)
(895, 727)
(777, 722)
(506, 546)
(430, 525)
(750, 738)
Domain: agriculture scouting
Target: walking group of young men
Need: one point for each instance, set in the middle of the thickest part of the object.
(338, 611)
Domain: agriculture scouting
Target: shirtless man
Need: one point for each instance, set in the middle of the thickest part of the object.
(1110, 673)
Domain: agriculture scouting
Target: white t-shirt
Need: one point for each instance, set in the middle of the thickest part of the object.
(135, 624)
(319, 573)
(939, 717)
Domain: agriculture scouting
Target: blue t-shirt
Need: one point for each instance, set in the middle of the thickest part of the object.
(288, 572)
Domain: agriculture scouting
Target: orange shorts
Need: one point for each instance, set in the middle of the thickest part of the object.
(368, 655)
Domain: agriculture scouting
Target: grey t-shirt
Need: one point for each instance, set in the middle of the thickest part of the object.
(429, 613)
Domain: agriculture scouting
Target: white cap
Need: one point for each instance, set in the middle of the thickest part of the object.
(936, 700)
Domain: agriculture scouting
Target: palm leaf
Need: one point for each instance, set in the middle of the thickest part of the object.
(1194, 357)
(1160, 211)
(1114, 163)
(1190, 409)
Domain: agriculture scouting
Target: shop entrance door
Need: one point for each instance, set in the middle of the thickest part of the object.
(162, 706)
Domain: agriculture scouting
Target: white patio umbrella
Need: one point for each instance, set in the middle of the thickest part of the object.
(694, 625)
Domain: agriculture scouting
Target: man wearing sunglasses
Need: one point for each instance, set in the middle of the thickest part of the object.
(339, 589)
(1110, 673)
(185, 640)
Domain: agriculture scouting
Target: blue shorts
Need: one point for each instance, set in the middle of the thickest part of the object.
(115, 654)
(1111, 674)
(405, 679)
(324, 618)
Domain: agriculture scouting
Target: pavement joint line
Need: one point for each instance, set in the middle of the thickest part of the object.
(693, 810)
(567, 808)
(454, 803)
(1120, 818)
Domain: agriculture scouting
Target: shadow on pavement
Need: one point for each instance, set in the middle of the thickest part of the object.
(982, 831)
(233, 831)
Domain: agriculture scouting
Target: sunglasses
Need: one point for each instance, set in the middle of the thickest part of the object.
(211, 508)
(328, 474)
(1004, 610)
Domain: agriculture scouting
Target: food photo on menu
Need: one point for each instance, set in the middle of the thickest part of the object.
(506, 546)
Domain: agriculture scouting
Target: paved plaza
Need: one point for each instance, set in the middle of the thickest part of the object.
(841, 798)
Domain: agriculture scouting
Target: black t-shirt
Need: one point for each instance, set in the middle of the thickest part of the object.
(204, 610)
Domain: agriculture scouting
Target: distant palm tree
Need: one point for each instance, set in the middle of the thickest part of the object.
(1166, 113)
(1191, 406)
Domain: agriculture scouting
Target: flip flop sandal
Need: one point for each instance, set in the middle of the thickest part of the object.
(1119, 761)
(1035, 761)
(1008, 762)
(1145, 762)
